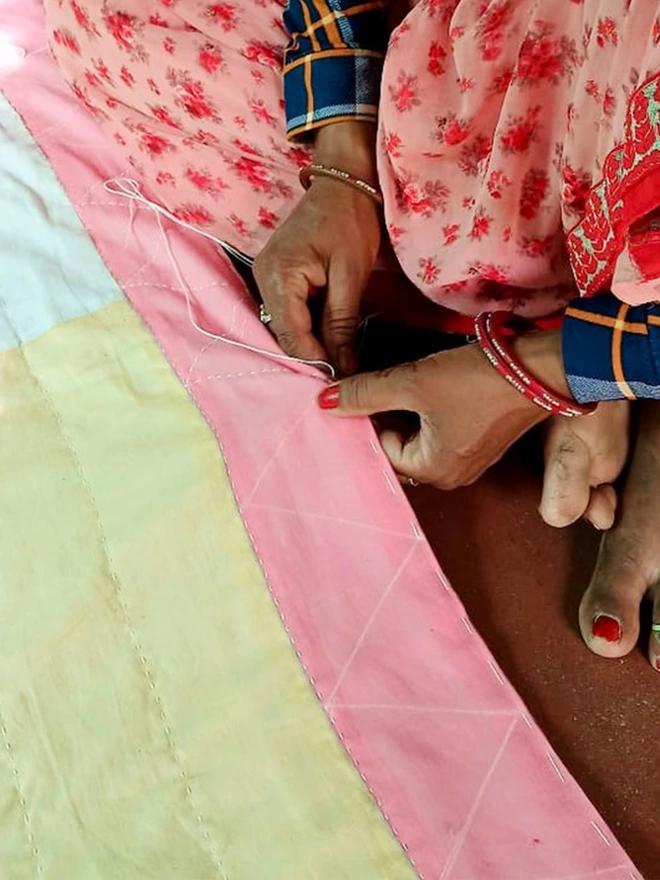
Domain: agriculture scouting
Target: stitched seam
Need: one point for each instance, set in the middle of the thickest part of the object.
(135, 643)
(20, 796)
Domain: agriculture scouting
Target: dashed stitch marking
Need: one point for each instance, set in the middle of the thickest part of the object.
(601, 833)
(555, 767)
(18, 788)
(389, 482)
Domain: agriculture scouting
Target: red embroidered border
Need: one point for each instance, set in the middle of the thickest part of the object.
(623, 196)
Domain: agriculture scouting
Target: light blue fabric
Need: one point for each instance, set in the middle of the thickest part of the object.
(37, 225)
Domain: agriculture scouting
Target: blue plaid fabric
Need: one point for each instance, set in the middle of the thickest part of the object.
(612, 350)
(333, 62)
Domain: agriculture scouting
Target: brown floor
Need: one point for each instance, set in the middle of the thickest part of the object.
(521, 583)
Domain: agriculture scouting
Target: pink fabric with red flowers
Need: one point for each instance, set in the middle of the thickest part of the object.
(192, 92)
(496, 120)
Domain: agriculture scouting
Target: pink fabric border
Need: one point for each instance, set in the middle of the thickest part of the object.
(466, 780)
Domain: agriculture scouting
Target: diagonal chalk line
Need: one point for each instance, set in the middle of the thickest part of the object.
(460, 840)
(379, 604)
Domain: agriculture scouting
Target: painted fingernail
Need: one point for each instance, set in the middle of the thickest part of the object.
(606, 627)
(657, 663)
(329, 397)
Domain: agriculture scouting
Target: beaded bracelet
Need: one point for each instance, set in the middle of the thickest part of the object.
(488, 329)
(317, 170)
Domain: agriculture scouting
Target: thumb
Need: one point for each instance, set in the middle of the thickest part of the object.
(341, 315)
(371, 393)
(566, 482)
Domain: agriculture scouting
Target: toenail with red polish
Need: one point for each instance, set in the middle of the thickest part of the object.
(606, 627)
(329, 397)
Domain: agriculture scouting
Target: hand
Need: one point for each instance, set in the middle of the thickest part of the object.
(469, 415)
(583, 457)
(329, 243)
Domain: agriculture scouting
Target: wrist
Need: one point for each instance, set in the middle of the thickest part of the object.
(541, 354)
(350, 146)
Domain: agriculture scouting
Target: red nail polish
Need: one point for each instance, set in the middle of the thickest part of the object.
(657, 663)
(607, 628)
(329, 397)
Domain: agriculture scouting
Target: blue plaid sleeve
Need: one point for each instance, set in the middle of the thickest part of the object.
(333, 62)
(612, 350)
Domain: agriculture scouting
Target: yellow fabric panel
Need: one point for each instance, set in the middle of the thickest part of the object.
(154, 720)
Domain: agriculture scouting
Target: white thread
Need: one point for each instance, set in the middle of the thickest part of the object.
(130, 189)
(239, 375)
(374, 448)
(442, 579)
(389, 482)
(496, 672)
(555, 767)
(527, 721)
(601, 833)
(467, 625)
(416, 531)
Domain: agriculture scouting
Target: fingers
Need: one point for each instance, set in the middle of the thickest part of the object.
(371, 393)
(285, 294)
(406, 455)
(341, 316)
(566, 480)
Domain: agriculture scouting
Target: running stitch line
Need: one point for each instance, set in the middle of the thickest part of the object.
(119, 593)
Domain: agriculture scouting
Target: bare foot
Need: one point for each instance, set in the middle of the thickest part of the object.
(583, 457)
(628, 564)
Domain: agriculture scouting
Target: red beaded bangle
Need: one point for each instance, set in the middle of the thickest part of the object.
(488, 327)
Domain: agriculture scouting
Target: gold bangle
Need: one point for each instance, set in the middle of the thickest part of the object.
(337, 174)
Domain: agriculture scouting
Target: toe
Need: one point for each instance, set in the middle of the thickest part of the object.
(601, 510)
(654, 640)
(609, 611)
(629, 558)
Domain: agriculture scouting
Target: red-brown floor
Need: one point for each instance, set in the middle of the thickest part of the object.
(521, 582)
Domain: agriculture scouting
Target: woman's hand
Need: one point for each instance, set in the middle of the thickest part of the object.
(469, 415)
(329, 243)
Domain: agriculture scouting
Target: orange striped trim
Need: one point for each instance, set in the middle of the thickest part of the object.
(332, 31)
(308, 87)
(654, 320)
(333, 53)
(606, 321)
(308, 21)
(319, 123)
(334, 17)
(617, 362)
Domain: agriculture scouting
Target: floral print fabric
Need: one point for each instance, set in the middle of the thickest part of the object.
(496, 119)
